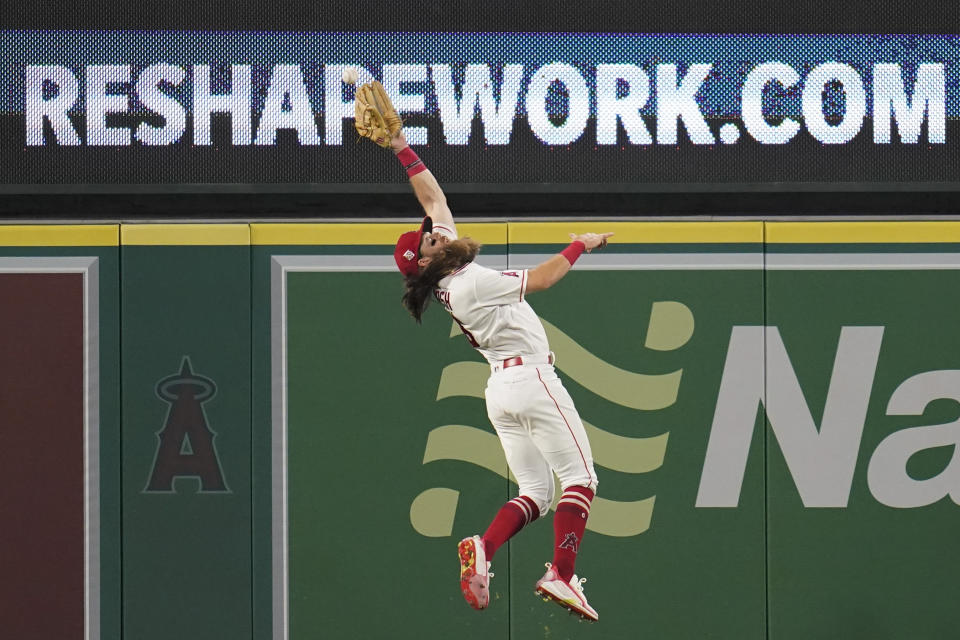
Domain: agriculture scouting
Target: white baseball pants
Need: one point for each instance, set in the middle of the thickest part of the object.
(540, 430)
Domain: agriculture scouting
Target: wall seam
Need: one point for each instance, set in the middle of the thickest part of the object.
(766, 477)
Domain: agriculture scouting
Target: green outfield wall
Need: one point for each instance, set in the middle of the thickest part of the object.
(234, 431)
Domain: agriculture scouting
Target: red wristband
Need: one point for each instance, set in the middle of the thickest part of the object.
(573, 252)
(410, 161)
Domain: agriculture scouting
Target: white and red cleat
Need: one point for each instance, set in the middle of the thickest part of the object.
(474, 572)
(567, 594)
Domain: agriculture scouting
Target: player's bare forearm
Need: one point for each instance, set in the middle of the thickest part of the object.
(431, 197)
(427, 189)
(549, 273)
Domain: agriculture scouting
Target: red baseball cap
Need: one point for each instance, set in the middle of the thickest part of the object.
(407, 252)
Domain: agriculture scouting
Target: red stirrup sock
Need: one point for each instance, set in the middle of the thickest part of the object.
(410, 161)
(569, 523)
(512, 517)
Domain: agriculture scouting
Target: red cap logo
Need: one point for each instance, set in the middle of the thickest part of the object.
(407, 252)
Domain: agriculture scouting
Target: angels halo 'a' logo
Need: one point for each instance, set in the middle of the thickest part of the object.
(185, 444)
(408, 255)
(571, 542)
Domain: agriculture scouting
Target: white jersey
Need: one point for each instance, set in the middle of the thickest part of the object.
(490, 308)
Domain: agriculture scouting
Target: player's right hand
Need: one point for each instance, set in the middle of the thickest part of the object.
(591, 241)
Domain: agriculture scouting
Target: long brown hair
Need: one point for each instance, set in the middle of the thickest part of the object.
(418, 288)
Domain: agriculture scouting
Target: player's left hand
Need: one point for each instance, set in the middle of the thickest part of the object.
(591, 241)
(374, 115)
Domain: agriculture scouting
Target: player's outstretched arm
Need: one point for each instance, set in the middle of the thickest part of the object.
(425, 185)
(376, 118)
(550, 272)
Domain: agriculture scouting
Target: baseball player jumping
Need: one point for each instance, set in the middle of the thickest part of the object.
(529, 408)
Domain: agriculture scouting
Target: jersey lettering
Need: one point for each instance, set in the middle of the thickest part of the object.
(443, 297)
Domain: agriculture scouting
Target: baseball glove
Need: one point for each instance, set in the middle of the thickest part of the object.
(374, 115)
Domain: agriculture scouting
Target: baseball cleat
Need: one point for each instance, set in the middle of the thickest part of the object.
(567, 594)
(474, 572)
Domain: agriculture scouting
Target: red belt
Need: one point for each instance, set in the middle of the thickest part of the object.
(518, 360)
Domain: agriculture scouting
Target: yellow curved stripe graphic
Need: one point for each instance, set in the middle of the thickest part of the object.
(464, 378)
(611, 451)
(629, 455)
(620, 519)
(671, 326)
(633, 390)
(626, 388)
(617, 453)
(432, 512)
(467, 444)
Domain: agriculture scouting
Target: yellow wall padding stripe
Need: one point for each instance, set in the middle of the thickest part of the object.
(110, 235)
(638, 232)
(185, 234)
(865, 232)
(59, 235)
(360, 234)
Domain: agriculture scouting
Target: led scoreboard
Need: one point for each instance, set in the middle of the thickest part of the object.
(616, 112)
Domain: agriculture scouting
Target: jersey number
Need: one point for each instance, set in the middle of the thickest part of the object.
(473, 341)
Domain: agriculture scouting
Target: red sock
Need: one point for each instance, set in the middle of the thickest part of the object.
(512, 517)
(568, 525)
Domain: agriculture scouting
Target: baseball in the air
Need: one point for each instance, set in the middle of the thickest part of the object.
(350, 75)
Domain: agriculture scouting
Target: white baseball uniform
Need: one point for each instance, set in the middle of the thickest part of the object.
(534, 416)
